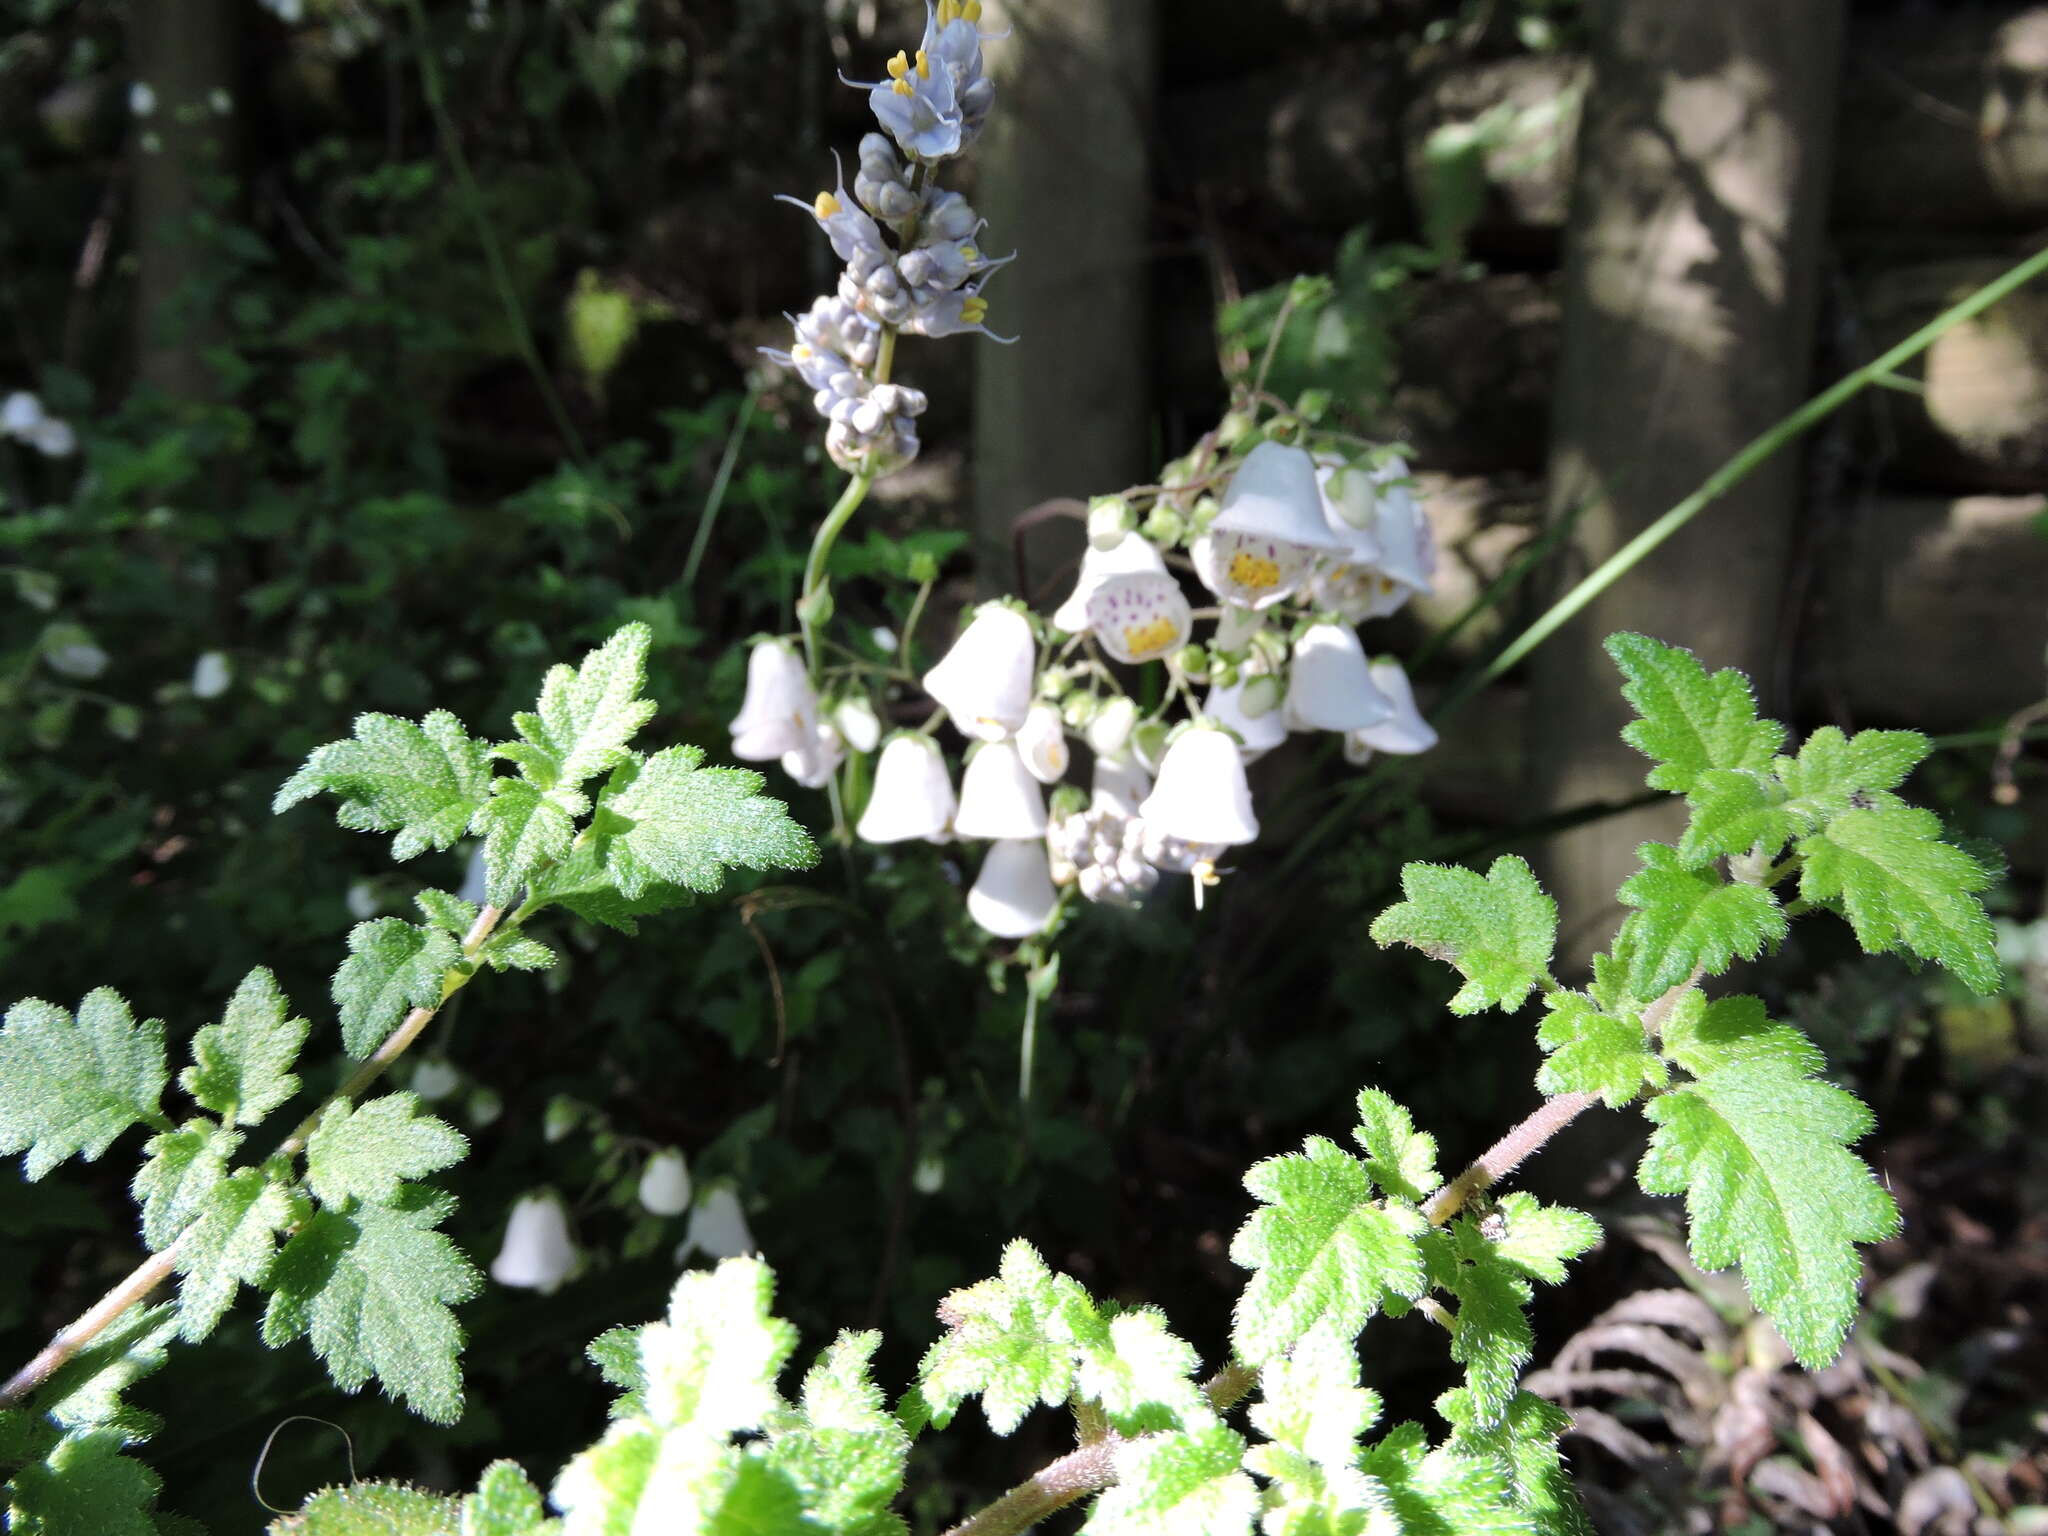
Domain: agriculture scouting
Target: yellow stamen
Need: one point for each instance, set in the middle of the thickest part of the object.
(1144, 641)
(1205, 876)
(903, 88)
(973, 310)
(799, 352)
(1254, 571)
(971, 9)
(899, 66)
(825, 206)
(924, 66)
(949, 12)
(969, 253)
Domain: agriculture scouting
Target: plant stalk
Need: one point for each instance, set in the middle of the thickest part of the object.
(157, 1268)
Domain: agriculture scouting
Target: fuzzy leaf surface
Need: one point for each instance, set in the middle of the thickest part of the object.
(371, 1291)
(69, 1086)
(1522, 1445)
(1902, 887)
(181, 1170)
(368, 1151)
(504, 1504)
(1441, 1492)
(1399, 1159)
(1595, 1052)
(668, 821)
(1498, 930)
(373, 1509)
(1310, 1400)
(1188, 1483)
(1687, 917)
(241, 1067)
(1690, 721)
(392, 968)
(523, 829)
(1323, 1251)
(1760, 1152)
(83, 1487)
(230, 1242)
(1703, 1036)
(711, 1366)
(1011, 1339)
(587, 714)
(425, 782)
(1141, 1373)
(840, 1446)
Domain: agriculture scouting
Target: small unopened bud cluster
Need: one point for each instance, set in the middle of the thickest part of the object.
(911, 262)
(1101, 852)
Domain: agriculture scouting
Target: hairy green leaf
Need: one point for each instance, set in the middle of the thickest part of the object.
(182, 1168)
(1688, 918)
(1140, 1373)
(711, 1367)
(1901, 887)
(393, 967)
(241, 1067)
(367, 1151)
(504, 1504)
(70, 1086)
(1690, 721)
(667, 821)
(1522, 1445)
(371, 1290)
(1010, 1339)
(840, 1447)
(587, 714)
(1441, 1492)
(1595, 1052)
(1704, 1036)
(1759, 1150)
(510, 950)
(1535, 1239)
(373, 1509)
(1310, 1400)
(523, 829)
(449, 913)
(85, 1392)
(1497, 930)
(1488, 1264)
(1400, 1159)
(231, 1241)
(1733, 811)
(425, 782)
(83, 1487)
(1835, 773)
(581, 884)
(1322, 1251)
(1186, 1483)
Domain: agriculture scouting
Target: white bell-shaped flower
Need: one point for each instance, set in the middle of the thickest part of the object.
(1250, 708)
(1351, 508)
(20, 414)
(1273, 495)
(1140, 617)
(780, 709)
(1042, 743)
(1357, 592)
(1404, 732)
(1201, 795)
(998, 796)
(665, 1183)
(1119, 785)
(1013, 896)
(1330, 686)
(984, 681)
(1407, 543)
(53, 438)
(538, 1253)
(718, 1227)
(1251, 570)
(814, 763)
(1132, 555)
(212, 673)
(858, 725)
(1110, 731)
(913, 794)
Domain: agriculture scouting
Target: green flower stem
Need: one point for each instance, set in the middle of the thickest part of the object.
(821, 551)
(1738, 469)
(157, 1268)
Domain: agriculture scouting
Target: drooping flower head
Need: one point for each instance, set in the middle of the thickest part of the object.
(985, 681)
(913, 795)
(1201, 795)
(538, 1253)
(999, 797)
(1329, 683)
(1140, 616)
(1013, 897)
(780, 711)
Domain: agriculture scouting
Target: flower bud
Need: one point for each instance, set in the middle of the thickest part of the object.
(665, 1183)
(1109, 519)
(1193, 663)
(1163, 526)
(718, 1228)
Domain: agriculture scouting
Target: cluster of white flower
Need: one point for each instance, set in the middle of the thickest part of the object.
(912, 265)
(1299, 549)
(23, 418)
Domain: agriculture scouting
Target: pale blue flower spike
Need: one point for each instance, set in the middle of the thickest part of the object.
(845, 224)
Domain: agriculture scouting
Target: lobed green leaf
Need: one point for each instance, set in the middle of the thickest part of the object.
(1689, 919)
(1399, 1159)
(587, 714)
(181, 1170)
(69, 1086)
(425, 782)
(1187, 1483)
(1690, 721)
(1759, 1150)
(367, 1152)
(1010, 1339)
(1594, 1052)
(241, 1067)
(1497, 930)
(393, 967)
(667, 821)
(231, 1241)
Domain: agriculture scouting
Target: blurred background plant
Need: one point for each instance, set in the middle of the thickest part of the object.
(384, 326)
